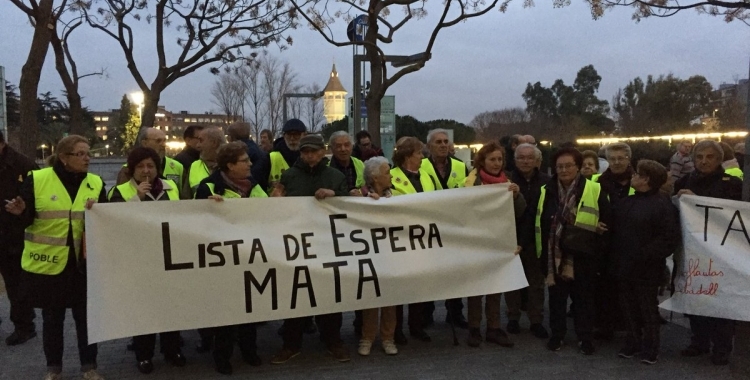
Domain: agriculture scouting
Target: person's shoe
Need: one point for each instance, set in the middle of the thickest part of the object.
(604, 335)
(649, 358)
(420, 335)
(513, 327)
(310, 327)
(719, 358)
(475, 337)
(539, 331)
(146, 366)
(283, 356)
(365, 346)
(498, 336)
(224, 368)
(628, 352)
(586, 347)
(339, 352)
(92, 375)
(19, 337)
(554, 344)
(400, 338)
(252, 359)
(177, 359)
(693, 351)
(53, 376)
(389, 347)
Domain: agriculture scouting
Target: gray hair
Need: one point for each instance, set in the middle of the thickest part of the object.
(338, 134)
(621, 146)
(537, 152)
(703, 144)
(372, 168)
(435, 131)
(215, 134)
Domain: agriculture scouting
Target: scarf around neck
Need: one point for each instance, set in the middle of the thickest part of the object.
(489, 179)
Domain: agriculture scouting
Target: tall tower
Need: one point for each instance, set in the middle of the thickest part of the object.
(334, 98)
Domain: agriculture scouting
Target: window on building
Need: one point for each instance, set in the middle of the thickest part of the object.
(98, 128)
(188, 120)
(166, 127)
(97, 118)
(105, 118)
(104, 137)
(104, 128)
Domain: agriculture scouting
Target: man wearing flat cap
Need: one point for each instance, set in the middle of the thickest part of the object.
(311, 176)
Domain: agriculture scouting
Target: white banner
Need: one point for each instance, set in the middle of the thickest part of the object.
(713, 273)
(164, 266)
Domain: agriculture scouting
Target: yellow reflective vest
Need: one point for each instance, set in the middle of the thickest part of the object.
(173, 170)
(735, 172)
(129, 191)
(456, 177)
(587, 215)
(256, 192)
(359, 169)
(278, 167)
(401, 185)
(198, 172)
(46, 248)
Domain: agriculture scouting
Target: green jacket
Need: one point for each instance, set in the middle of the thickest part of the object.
(303, 181)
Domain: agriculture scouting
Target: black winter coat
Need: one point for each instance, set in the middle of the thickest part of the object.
(645, 231)
(715, 185)
(14, 167)
(530, 189)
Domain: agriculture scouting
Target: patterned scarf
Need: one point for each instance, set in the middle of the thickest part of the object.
(566, 214)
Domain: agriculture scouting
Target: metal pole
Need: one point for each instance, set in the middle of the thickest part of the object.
(746, 182)
(3, 106)
(356, 117)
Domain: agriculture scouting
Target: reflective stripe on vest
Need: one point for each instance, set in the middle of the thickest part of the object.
(587, 215)
(198, 172)
(46, 239)
(278, 167)
(256, 192)
(359, 170)
(735, 172)
(128, 191)
(401, 185)
(595, 178)
(456, 177)
(173, 170)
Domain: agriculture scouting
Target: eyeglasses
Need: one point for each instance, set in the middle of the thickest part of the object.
(80, 154)
(565, 167)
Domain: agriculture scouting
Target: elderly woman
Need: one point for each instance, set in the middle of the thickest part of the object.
(590, 164)
(408, 178)
(377, 179)
(571, 214)
(710, 180)
(489, 169)
(51, 206)
(145, 185)
(232, 179)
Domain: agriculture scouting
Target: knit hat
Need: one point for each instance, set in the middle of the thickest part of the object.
(294, 125)
(312, 141)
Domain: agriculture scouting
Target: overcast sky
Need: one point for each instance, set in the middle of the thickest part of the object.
(480, 65)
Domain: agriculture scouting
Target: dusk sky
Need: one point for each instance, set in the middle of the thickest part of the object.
(480, 65)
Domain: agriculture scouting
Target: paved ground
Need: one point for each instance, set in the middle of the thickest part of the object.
(437, 360)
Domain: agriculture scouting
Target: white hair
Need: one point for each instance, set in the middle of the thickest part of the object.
(703, 144)
(338, 134)
(372, 168)
(435, 131)
(537, 152)
(621, 146)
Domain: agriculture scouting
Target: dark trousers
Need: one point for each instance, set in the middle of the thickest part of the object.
(581, 290)
(21, 314)
(54, 320)
(534, 293)
(144, 345)
(707, 330)
(639, 303)
(416, 316)
(225, 337)
(454, 308)
(609, 316)
(329, 326)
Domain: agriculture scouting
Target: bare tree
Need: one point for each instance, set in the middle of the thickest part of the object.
(213, 33)
(314, 109)
(250, 77)
(227, 93)
(278, 79)
(495, 124)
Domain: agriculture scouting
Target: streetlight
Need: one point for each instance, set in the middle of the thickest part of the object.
(44, 146)
(107, 149)
(137, 98)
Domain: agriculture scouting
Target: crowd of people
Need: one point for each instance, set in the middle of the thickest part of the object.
(597, 230)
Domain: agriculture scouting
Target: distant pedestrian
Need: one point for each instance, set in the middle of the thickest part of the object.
(266, 140)
(190, 153)
(364, 149)
(681, 162)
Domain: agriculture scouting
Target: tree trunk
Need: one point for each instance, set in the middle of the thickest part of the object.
(71, 87)
(30, 74)
(377, 87)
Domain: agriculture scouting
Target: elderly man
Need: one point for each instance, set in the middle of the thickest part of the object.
(311, 176)
(448, 173)
(530, 180)
(710, 180)
(190, 153)
(209, 141)
(681, 162)
(13, 169)
(169, 168)
(353, 168)
(241, 132)
(285, 151)
(365, 149)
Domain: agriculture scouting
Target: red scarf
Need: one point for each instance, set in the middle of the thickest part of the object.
(489, 179)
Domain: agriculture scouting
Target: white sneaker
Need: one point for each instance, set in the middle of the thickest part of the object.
(389, 347)
(92, 375)
(53, 376)
(364, 347)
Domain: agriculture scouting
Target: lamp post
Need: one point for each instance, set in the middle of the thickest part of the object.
(44, 146)
(106, 147)
(137, 98)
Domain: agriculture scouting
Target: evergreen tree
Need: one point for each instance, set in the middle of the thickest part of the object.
(127, 125)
